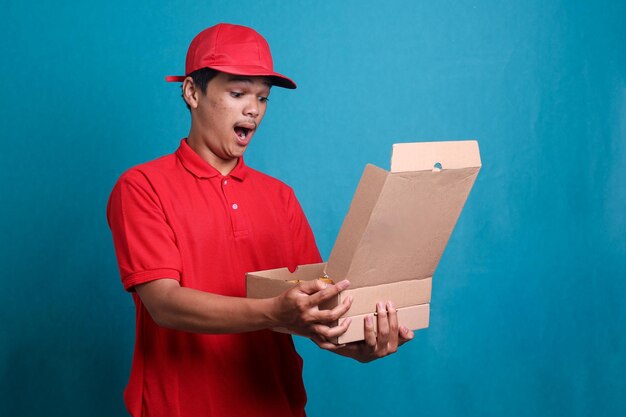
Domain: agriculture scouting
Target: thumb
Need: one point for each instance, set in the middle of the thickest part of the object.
(312, 286)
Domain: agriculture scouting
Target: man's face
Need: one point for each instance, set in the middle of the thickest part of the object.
(226, 117)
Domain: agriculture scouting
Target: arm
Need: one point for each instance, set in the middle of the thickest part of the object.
(150, 263)
(379, 344)
(176, 307)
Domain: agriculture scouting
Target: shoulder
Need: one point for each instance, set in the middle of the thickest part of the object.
(150, 171)
(142, 182)
(157, 167)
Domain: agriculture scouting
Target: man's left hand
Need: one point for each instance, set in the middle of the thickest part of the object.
(380, 341)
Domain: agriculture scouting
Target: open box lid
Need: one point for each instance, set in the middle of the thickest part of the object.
(399, 222)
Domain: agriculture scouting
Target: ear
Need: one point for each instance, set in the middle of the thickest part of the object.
(190, 92)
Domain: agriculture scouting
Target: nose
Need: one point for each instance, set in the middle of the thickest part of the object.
(251, 109)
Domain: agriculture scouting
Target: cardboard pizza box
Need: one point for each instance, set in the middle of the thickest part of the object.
(393, 236)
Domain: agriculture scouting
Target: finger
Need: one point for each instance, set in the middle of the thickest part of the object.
(405, 335)
(370, 333)
(336, 312)
(392, 315)
(330, 332)
(326, 345)
(312, 286)
(328, 292)
(382, 321)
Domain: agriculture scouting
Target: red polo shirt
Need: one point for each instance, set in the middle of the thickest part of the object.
(178, 217)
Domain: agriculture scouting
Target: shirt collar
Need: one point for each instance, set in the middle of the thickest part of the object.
(202, 169)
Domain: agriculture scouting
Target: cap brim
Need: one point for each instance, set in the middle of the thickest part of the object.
(276, 79)
(175, 78)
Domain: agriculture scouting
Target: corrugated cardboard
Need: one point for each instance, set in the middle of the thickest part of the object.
(394, 234)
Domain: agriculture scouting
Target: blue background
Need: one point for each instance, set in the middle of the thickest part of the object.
(528, 311)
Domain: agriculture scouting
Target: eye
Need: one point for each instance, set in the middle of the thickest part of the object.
(236, 94)
(264, 99)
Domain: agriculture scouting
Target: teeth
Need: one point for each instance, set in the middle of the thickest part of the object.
(241, 132)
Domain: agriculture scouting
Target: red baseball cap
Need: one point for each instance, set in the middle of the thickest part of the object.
(232, 49)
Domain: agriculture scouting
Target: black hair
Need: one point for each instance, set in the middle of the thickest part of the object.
(201, 78)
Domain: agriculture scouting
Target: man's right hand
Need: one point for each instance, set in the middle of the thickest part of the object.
(297, 310)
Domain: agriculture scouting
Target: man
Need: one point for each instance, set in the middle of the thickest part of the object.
(188, 226)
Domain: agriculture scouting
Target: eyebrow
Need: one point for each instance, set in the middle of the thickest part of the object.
(239, 78)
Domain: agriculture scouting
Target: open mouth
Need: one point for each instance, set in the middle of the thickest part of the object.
(244, 132)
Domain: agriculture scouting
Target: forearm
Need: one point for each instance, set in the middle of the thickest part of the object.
(196, 311)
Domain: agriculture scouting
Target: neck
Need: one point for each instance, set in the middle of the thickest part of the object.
(224, 166)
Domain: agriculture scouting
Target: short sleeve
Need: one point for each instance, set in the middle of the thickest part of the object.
(304, 246)
(145, 244)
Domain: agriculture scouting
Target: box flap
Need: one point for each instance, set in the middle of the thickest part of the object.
(424, 155)
(399, 224)
(356, 221)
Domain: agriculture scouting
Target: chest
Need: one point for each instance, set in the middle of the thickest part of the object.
(225, 213)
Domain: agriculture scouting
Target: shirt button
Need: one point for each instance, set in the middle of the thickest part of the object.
(225, 182)
(235, 206)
